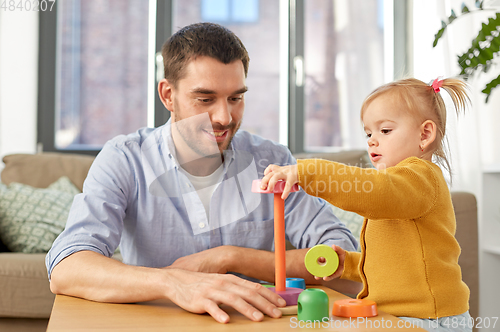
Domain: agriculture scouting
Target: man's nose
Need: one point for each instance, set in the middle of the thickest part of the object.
(222, 114)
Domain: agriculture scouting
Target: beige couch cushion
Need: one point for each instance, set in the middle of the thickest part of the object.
(25, 290)
(40, 170)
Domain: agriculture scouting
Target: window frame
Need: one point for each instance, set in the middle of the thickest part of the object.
(47, 33)
(47, 77)
(296, 100)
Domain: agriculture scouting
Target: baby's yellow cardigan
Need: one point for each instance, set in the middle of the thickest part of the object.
(409, 255)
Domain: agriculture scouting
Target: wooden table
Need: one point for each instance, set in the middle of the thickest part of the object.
(74, 314)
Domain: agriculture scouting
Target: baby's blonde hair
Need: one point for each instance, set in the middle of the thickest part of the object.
(420, 100)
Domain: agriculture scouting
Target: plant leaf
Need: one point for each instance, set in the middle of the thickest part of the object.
(484, 55)
(482, 58)
(452, 17)
(495, 44)
(490, 86)
(437, 36)
(465, 9)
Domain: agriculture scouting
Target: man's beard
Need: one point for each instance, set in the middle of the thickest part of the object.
(189, 131)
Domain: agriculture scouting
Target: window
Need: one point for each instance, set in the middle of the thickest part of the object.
(344, 62)
(229, 11)
(261, 39)
(94, 73)
(101, 71)
(311, 65)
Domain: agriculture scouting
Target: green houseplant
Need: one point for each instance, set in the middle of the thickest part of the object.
(485, 46)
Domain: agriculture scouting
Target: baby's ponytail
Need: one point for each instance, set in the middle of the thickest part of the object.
(457, 89)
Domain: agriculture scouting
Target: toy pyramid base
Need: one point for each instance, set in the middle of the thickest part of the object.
(290, 295)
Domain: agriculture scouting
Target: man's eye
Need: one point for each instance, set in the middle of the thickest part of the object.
(236, 98)
(204, 100)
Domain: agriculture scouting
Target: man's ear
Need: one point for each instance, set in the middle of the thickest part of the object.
(428, 132)
(165, 91)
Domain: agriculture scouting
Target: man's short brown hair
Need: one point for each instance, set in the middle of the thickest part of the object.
(201, 39)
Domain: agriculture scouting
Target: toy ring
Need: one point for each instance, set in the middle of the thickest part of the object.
(321, 269)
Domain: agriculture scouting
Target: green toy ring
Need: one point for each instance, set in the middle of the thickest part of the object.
(321, 269)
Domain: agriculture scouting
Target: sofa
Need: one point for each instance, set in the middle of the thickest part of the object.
(26, 300)
(25, 297)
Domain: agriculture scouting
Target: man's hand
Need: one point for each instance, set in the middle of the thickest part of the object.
(200, 292)
(275, 173)
(214, 260)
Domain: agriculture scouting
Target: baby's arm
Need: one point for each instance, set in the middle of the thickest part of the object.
(275, 173)
(405, 191)
(341, 253)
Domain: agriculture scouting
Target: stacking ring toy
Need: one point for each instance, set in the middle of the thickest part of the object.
(295, 283)
(289, 294)
(312, 305)
(354, 308)
(321, 269)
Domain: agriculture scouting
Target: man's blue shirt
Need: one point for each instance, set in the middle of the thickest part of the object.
(135, 196)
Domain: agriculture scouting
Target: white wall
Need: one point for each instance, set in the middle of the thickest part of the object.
(18, 81)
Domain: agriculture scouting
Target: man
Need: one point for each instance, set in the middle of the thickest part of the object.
(178, 201)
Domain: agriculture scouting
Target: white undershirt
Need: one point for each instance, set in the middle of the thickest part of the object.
(207, 183)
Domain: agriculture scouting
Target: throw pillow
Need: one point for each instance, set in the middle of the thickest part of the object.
(3, 247)
(352, 220)
(31, 218)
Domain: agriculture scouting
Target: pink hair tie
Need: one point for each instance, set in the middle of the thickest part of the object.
(437, 84)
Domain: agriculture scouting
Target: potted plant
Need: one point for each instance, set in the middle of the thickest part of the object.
(479, 57)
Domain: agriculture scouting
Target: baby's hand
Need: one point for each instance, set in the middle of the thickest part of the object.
(275, 173)
(340, 269)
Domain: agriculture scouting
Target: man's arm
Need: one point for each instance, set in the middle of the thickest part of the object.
(258, 264)
(92, 276)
